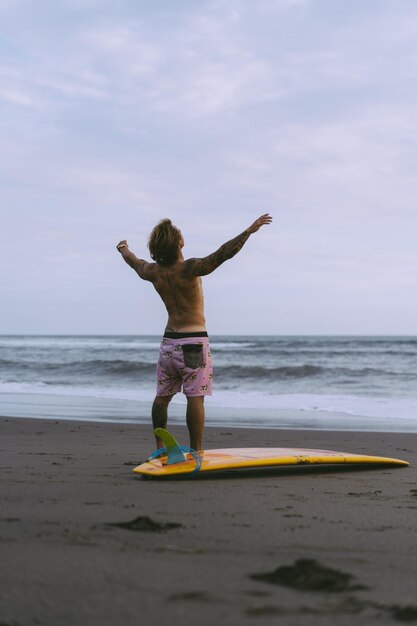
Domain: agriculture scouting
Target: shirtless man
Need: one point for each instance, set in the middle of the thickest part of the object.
(184, 359)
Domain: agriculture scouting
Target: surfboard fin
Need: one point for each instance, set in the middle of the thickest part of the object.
(174, 452)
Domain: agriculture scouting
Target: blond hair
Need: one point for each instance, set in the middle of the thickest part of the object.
(164, 242)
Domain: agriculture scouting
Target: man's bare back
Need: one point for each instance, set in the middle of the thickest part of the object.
(185, 358)
(182, 295)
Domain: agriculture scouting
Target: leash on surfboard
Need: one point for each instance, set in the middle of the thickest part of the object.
(174, 452)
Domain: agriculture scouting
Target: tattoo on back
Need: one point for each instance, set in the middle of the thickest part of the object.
(201, 267)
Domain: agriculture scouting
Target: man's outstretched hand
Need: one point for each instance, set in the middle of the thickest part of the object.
(122, 244)
(261, 221)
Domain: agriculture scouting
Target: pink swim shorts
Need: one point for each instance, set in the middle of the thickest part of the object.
(184, 362)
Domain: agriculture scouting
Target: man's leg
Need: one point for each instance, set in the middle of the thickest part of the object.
(160, 415)
(195, 421)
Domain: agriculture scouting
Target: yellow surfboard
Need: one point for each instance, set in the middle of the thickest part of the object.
(175, 462)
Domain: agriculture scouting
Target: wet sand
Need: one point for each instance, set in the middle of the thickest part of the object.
(85, 541)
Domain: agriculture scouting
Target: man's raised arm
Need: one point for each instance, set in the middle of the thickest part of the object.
(206, 265)
(140, 266)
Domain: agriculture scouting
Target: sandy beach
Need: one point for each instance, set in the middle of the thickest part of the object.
(300, 545)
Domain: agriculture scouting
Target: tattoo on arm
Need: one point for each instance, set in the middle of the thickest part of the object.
(201, 267)
(142, 268)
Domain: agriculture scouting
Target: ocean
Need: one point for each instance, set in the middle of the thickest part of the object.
(336, 383)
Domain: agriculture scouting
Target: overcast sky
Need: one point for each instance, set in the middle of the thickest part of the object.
(117, 113)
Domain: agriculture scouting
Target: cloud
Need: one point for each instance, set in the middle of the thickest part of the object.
(15, 91)
(123, 47)
(199, 69)
(18, 97)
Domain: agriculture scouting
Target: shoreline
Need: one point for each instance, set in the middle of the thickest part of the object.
(26, 405)
(66, 483)
(179, 423)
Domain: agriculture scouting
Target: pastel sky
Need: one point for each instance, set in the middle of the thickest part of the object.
(117, 113)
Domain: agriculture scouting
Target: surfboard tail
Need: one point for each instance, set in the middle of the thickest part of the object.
(189, 460)
(174, 452)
